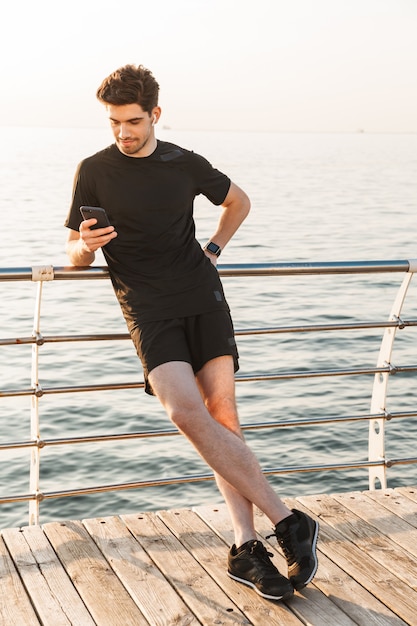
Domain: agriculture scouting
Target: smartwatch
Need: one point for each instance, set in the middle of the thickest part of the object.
(213, 248)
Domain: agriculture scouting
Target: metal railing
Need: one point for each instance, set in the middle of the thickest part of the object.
(377, 464)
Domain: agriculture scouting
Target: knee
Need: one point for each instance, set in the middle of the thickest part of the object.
(183, 417)
(220, 405)
(224, 411)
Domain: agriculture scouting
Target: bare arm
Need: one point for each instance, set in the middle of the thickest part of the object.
(236, 207)
(82, 245)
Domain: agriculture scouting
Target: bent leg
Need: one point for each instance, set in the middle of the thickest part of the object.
(217, 388)
(223, 450)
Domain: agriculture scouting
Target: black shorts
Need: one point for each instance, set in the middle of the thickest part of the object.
(195, 340)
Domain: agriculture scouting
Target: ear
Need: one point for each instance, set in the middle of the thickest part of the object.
(156, 114)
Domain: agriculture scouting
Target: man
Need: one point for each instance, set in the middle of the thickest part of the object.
(173, 302)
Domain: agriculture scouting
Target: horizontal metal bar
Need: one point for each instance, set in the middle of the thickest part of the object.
(239, 332)
(241, 269)
(151, 434)
(291, 269)
(18, 498)
(106, 488)
(39, 392)
(199, 478)
(178, 480)
(330, 419)
(393, 462)
(60, 273)
(328, 327)
(354, 371)
(172, 432)
(313, 374)
(62, 339)
(323, 467)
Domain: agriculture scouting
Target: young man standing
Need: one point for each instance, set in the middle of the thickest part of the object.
(173, 302)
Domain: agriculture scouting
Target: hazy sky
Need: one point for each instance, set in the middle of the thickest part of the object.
(285, 65)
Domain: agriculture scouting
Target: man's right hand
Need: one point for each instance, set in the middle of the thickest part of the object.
(83, 243)
(93, 239)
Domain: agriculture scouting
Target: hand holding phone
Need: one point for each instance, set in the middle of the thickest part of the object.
(88, 212)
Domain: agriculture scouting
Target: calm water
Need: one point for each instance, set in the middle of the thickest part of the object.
(332, 197)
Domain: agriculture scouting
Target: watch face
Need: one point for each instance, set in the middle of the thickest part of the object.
(213, 248)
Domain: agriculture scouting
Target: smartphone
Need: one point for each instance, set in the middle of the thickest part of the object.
(95, 211)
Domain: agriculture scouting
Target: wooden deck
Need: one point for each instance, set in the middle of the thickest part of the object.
(169, 568)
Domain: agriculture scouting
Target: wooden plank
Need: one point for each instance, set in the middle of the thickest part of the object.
(102, 592)
(309, 605)
(204, 597)
(332, 580)
(15, 606)
(52, 592)
(338, 540)
(150, 590)
(388, 523)
(211, 553)
(354, 512)
(408, 492)
(398, 502)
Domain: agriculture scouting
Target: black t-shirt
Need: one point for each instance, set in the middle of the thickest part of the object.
(157, 266)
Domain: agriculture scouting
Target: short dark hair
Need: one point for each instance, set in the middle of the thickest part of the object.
(130, 84)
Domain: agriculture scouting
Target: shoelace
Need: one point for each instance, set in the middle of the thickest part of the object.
(287, 545)
(259, 550)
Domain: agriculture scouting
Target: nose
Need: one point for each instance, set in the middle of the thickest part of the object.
(124, 131)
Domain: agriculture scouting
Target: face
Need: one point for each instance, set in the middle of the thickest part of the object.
(133, 129)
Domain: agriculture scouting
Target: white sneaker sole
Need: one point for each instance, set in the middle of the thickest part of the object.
(285, 596)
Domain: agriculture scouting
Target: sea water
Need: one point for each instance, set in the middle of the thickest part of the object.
(315, 197)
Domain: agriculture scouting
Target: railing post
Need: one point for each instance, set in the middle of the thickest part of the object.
(376, 442)
(39, 274)
(34, 413)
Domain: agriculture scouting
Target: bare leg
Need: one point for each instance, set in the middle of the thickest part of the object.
(219, 397)
(224, 451)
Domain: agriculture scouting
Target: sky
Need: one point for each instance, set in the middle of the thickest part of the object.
(258, 65)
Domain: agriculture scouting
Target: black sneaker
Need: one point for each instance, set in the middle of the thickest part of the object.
(251, 565)
(297, 536)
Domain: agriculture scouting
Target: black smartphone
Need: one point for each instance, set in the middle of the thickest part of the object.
(100, 214)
